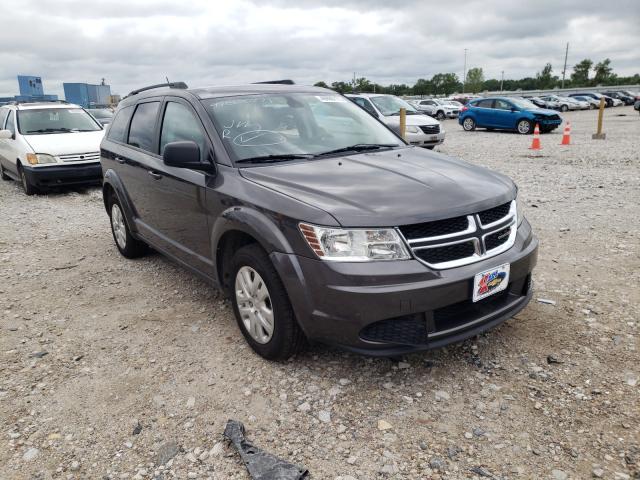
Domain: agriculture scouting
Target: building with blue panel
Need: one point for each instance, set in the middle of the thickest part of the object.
(31, 90)
(87, 95)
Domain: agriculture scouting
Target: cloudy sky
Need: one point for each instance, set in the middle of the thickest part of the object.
(133, 43)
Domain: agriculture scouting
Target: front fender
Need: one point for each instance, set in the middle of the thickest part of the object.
(112, 179)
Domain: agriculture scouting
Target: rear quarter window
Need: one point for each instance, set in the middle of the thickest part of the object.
(4, 112)
(118, 127)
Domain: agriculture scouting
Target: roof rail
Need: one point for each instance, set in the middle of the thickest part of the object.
(276, 82)
(180, 85)
(20, 102)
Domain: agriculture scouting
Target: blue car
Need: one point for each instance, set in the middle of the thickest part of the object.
(507, 114)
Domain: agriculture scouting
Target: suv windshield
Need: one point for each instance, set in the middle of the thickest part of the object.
(294, 125)
(101, 113)
(55, 120)
(390, 105)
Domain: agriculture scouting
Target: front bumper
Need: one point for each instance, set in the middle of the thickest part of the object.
(393, 308)
(56, 174)
(425, 139)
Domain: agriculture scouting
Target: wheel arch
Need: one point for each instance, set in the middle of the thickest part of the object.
(112, 185)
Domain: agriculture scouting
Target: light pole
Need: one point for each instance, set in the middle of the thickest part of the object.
(464, 72)
(501, 81)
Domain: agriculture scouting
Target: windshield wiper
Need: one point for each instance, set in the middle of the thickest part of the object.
(49, 130)
(359, 147)
(275, 158)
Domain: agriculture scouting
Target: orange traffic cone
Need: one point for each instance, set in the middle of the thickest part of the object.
(535, 144)
(566, 137)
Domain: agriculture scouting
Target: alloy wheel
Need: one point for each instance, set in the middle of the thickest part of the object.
(119, 227)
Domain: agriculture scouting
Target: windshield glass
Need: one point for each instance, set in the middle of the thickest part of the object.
(522, 103)
(101, 112)
(55, 120)
(293, 124)
(390, 105)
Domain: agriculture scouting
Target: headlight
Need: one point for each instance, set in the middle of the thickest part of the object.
(519, 211)
(412, 129)
(40, 158)
(354, 245)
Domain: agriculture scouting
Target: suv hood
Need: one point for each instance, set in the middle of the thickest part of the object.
(66, 143)
(385, 189)
(417, 120)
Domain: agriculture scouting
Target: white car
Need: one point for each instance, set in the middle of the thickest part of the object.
(437, 108)
(421, 130)
(561, 103)
(49, 144)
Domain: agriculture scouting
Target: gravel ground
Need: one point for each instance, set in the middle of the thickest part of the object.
(109, 367)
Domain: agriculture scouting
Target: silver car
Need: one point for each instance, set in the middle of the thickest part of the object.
(421, 130)
(437, 108)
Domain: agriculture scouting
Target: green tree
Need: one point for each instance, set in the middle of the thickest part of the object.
(545, 79)
(321, 84)
(603, 72)
(475, 79)
(422, 87)
(342, 87)
(580, 75)
(363, 85)
(445, 83)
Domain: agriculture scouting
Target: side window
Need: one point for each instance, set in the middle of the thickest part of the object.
(485, 104)
(3, 116)
(11, 123)
(119, 125)
(366, 104)
(143, 125)
(179, 124)
(502, 105)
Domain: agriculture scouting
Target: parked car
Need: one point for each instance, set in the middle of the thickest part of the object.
(592, 102)
(45, 144)
(437, 108)
(538, 102)
(317, 220)
(597, 96)
(421, 130)
(102, 115)
(508, 114)
(561, 103)
(616, 102)
(581, 104)
(634, 95)
(637, 106)
(624, 98)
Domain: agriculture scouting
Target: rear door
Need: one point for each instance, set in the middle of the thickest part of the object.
(483, 111)
(176, 196)
(10, 149)
(4, 112)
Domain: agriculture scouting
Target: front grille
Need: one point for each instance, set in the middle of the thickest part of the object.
(408, 330)
(463, 239)
(435, 229)
(496, 239)
(494, 214)
(81, 157)
(430, 129)
(446, 253)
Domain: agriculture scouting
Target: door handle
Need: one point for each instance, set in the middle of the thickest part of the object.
(120, 160)
(156, 176)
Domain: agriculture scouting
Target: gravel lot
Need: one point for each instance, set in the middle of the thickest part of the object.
(105, 362)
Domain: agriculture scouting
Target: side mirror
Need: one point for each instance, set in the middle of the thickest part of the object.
(514, 109)
(185, 154)
(5, 134)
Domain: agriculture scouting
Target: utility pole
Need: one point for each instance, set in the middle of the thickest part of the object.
(501, 80)
(464, 72)
(564, 70)
(354, 81)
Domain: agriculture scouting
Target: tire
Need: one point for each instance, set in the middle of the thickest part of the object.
(469, 124)
(252, 277)
(564, 108)
(128, 246)
(28, 187)
(3, 175)
(592, 106)
(440, 115)
(430, 147)
(524, 126)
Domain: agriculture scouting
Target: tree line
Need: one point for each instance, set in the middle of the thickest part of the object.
(448, 83)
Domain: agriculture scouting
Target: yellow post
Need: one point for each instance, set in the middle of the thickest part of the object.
(599, 135)
(403, 122)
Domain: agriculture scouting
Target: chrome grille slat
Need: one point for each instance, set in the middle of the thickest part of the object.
(80, 157)
(437, 251)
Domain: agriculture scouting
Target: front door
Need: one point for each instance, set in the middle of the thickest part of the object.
(503, 114)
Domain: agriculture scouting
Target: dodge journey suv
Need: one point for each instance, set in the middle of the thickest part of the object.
(317, 220)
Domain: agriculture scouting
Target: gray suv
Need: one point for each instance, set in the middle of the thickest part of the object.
(318, 221)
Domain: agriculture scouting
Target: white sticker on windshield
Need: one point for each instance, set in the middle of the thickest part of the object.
(331, 98)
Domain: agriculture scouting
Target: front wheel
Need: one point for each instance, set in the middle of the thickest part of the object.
(564, 108)
(3, 175)
(440, 115)
(524, 127)
(261, 306)
(28, 187)
(469, 124)
(128, 246)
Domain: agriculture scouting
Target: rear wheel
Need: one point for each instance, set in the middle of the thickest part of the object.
(564, 108)
(261, 306)
(469, 124)
(524, 127)
(28, 187)
(440, 115)
(128, 246)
